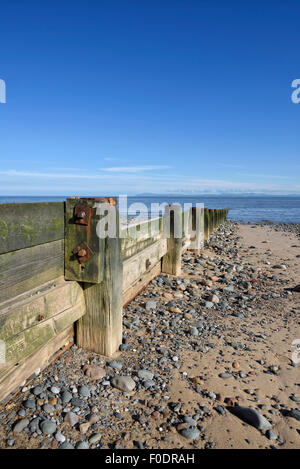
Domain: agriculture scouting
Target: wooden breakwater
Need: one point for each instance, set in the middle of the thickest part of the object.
(59, 282)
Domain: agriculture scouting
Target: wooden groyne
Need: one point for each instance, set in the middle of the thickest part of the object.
(60, 282)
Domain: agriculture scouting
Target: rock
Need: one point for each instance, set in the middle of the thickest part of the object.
(123, 383)
(83, 427)
(82, 445)
(150, 305)
(66, 445)
(48, 427)
(60, 437)
(214, 299)
(84, 391)
(66, 397)
(95, 438)
(251, 416)
(71, 418)
(225, 375)
(55, 390)
(20, 425)
(294, 413)
(48, 408)
(194, 331)
(37, 390)
(29, 404)
(220, 410)
(94, 372)
(145, 375)
(271, 435)
(190, 433)
(116, 365)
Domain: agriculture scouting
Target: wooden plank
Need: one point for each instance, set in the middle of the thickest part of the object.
(28, 341)
(137, 265)
(100, 329)
(91, 270)
(197, 229)
(26, 225)
(28, 311)
(141, 283)
(138, 236)
(27, 366)
(23, 270)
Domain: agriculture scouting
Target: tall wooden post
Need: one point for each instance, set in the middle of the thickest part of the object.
(206, 224)
(97, 262)
(197, 226)
(172, 229)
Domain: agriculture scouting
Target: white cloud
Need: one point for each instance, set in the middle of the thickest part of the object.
(135, 169)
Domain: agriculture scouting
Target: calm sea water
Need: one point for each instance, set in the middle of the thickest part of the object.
(251, 208)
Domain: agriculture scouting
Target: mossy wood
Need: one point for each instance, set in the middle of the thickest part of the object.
(26, 225)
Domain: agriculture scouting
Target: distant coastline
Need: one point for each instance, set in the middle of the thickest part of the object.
(243, 208)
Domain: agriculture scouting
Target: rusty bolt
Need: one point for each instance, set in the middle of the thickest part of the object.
(81, 214)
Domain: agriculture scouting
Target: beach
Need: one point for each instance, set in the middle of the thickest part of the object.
(197, 350)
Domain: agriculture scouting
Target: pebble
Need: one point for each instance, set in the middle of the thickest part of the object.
(20, 425)
(252, 417)
(190, 433)
(123, 383)
(48, 427)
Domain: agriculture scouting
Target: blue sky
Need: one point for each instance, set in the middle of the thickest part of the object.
(120, 96)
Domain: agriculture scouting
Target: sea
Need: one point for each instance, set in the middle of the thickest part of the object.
(276, 209)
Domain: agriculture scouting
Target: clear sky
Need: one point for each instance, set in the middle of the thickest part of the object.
(122, 96)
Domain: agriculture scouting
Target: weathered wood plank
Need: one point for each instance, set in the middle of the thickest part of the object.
(141, 283)
(23, 270)
(28, 311)
(136, 237)
(171, 263)
(100, 329)
(28, 341)
(26, 225)
(27, 366)
(138, 264)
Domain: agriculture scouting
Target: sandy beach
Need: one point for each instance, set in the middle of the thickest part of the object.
(195, 348)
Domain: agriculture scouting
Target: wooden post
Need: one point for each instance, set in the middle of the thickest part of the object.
(100, 329)
(197, 226)
(206, 224)
(172, 221)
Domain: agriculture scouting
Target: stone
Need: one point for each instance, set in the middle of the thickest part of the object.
(48, 408)
(190, 433)
(84, 391)
(145, 375)
(252, 417)
(48, 427)
(66, 397)
(60, 437)
(82, 445)
(95, 438)
(55, 390)
(150, 305)
(271, 435)
(20, 425)
(123, 383)
(71, 418)
(66, 445)
(94, 372)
